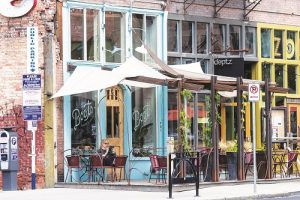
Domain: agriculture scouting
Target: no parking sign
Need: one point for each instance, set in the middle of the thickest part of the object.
(253, 90)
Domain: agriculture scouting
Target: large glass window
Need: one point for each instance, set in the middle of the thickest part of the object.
(290, 48)
(292, 80)
(218, 38)
(235, 39)
(279, 75)
(187, 36)
(143, 121)
(250, 43)
(173, 35)
(278, 44)
(266, 43)
(172, 115)
(114, 37)
(83, 123)
(77, 28)
(202, 30)
(92, 34)
(266, 71)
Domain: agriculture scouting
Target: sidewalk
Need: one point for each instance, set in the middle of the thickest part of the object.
(234, 191)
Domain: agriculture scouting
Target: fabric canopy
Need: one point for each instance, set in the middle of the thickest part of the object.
(87, 79)
(191, 67)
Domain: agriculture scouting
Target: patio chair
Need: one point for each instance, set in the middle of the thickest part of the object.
(162, 163)
(73, 165)
(248, 160)
(292, 163)
(154, 167)
(120, 163)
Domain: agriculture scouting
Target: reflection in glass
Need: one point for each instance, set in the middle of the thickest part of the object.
(173, 35)
(151, 36)
(218, 38)
(266, 71)
(173, 61)
(266, 43)
(137, 34)
(172, 115)
(278, 38)
(114, 37)
(187, 37)
(77, 34)
(202, 30)
(235, 39)
(292, 80)
(143, 121)
(250, 43)
(92, 35)
(279, 75)
(83, 123)
(290, 52)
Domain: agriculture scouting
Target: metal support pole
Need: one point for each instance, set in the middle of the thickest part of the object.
(240, 133)
(268, 129)
(33, 176)
(254, 147)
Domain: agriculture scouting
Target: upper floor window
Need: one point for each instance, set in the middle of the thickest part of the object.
(173, 35)
(278, 44)
(77, 34)
(202, 38)
(250, 43)
(290, 48)
(114, 37)
(218, 38)
(292, 80)
(235, 39)
(266, 43)
(266, 71)
(187, 37)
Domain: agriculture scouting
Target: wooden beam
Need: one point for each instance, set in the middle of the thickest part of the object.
(221, 87)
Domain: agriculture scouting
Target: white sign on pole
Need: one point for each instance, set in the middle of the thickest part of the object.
(253, 90)
(32, 50)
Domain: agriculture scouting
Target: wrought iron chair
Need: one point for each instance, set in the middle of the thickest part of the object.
(120, 163)
(248, 162)
(73, 165)
(292, 163)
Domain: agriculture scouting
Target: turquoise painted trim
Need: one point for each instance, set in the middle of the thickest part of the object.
(165, 117)
(102, 117)
(127, 120)
(67, 129)
(108, 7)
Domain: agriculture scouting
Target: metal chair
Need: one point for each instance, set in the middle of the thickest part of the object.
(120, 163)
(292, 163)
(73, 164)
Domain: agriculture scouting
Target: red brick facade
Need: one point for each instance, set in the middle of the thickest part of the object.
(13, 55)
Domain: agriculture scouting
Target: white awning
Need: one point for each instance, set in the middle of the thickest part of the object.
(87, 79)
(191, 67)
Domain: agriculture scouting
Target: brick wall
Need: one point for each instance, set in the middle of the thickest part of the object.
(13, 55)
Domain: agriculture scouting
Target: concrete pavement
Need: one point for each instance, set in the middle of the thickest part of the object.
(216, 192)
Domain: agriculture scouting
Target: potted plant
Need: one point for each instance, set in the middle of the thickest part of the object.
(231, 155)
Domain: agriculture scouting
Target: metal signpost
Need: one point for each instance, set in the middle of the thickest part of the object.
(253, 91)
(32, 111)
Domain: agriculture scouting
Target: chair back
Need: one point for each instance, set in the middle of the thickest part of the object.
(292, 156)
(120, 161)
(96, 161)
(154, 162)
(162, 162)
(73, 161)
(249, 158)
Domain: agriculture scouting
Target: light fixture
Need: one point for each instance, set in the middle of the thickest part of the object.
(141, 49)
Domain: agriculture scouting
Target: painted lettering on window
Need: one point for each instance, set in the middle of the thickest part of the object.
(141, 118)
(82, 116)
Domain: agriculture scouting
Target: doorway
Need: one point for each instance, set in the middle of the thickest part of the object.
(114, 119)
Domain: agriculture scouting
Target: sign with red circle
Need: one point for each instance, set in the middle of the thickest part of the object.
(253, 90)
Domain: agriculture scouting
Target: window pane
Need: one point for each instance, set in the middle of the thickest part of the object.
(250, 43)
(290, 54)
(292, 80)
(278, 38)
(77, 34)
(202, 30)
(266, 71)
(279, 75)
(92, 34)
(187, 37)
(265, 43)
(235, 38)
(188, 60)
(114, 37)
(279, 101)
(172, 115)
(173, 35)
(137, 34)
(151, 36)
(204, 65)
(83, 120)
(218, 38)
(143, 121)
(173, 61)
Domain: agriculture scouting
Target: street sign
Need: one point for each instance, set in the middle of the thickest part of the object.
(253, 90)
(32, 50)
(32, 102)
